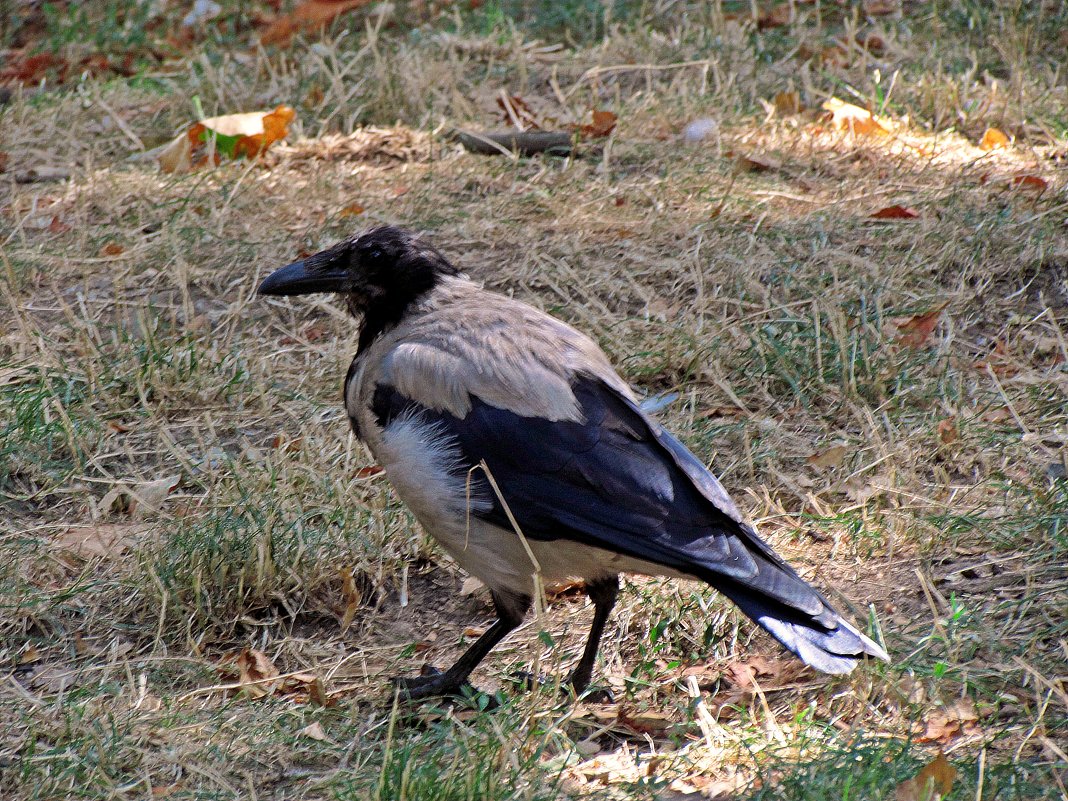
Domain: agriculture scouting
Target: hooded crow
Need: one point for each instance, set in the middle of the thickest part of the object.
(524, 454)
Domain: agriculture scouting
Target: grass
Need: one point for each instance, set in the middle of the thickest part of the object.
(132, 350)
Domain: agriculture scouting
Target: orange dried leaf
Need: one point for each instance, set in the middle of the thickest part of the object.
(993, 139)
(604, 122)
(858, 121)
(255, 671)
(352, 210)
(896, 213)
(915, 331)
(112, 249)
(1030, 182)
(368, 472)
(310, 15)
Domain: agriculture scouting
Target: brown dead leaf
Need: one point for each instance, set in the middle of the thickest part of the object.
(352, 597)
(369, 471)
(308, 16)
(775, 17)
(1030, 182)
(934, 781)
(878, 8)
(787, 103)
(762, 163)
(604, 122)
(1000, 361)
(57, 226)
(993, 139)
(948, 431)
(515, 111)
(4, 159)
(352, 210)
(949, 722)
(914, 331)
(856, 120)
(474, 631)
(106, 541)
(255, 671)
(744, 675)
(998, 415)
(895, 213)
(112, 249)
(314, 731)
(646, 722)
(831, 457)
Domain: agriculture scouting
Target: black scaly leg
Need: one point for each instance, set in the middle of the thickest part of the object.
(510, 612)
(603, 593)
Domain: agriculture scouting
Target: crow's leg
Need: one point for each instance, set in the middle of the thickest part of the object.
(511, 609)
(603, 593)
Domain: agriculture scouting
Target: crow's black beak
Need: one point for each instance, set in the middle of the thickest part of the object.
(298, 279)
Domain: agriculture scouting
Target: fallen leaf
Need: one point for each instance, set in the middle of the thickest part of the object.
(139, 498)
(949, 722)
(4, 158)
(29, 655)
(1030, 182)
(993, 139)
(788, 103)
(776, 17)
(877, 8)
(310, 15)
(57, 226)
(895, 213)
(934, 781)
(856, 120)
(352, 597)
(1000, 361)
(743, 675)
(914, 331)
(515, 111)
(948, 431)
(255, 671)
(604, 122)
(368, 472)
(998, 415)
(474, 631)
(832, 457)
(241, 135)
(352, 210)
(646, 722)
(756, 163)
(471, 585)
(314, 731)
(112, 249)
(105, 541)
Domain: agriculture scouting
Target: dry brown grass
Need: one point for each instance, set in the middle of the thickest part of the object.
(768, 298)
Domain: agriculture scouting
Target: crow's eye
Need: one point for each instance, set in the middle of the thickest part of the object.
(373, 256)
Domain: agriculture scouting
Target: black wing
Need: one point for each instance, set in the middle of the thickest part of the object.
(618, 481)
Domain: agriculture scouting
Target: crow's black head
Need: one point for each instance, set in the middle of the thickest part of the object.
(380, 273)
